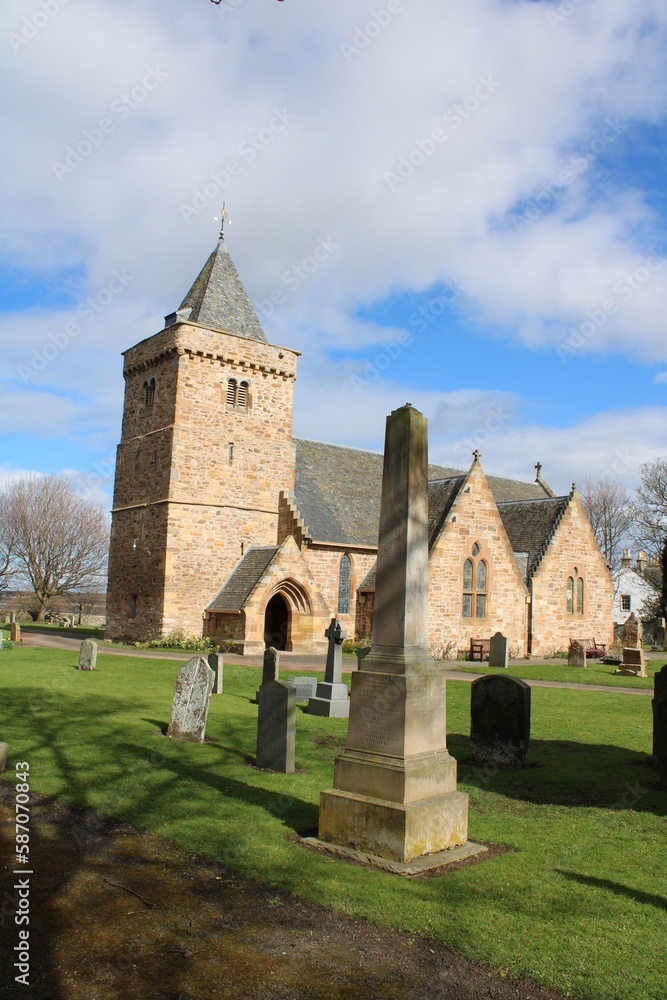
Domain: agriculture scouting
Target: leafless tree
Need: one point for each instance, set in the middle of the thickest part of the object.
(6, 547)
(611, 513)
(651, 507)
(60, 541)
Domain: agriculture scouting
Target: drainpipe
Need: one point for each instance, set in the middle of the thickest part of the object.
(529, 621)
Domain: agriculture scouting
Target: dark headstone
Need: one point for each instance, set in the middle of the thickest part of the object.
(305, 687)
(276, 727)
(659, 706)
(216, 664)
(88, 655)
(499, 651)
(191, 699)
(270, 667)
(576, 655)
(332, 698)
(500, 721)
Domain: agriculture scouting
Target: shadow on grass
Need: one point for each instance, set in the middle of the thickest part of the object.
(569, 774)
(620, 890)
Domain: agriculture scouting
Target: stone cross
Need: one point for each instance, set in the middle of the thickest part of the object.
(331, 697)
(394, 793)
(500, 721)
(88, 655)
(192, 694)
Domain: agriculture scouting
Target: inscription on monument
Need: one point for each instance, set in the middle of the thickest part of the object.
(378, 725)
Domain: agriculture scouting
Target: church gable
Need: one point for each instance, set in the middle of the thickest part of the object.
(475, 585)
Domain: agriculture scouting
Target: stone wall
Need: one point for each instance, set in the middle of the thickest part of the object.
(573, 551)
(324, 564)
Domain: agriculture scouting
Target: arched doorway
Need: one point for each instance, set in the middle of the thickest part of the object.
(276, 623)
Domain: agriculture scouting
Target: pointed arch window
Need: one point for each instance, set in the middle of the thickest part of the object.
(580, 595)
(344, 578)
(574, 593)
(475, 584)
(149, 392)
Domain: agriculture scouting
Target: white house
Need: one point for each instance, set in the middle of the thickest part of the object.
(631, 587)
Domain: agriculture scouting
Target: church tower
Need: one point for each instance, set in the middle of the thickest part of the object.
(206, 448)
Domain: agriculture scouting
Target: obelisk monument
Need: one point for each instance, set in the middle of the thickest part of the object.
(394, 791)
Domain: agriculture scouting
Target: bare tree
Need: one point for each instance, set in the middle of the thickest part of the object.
(651, 507)
(611, 513)
(60, 541)
(6, 547)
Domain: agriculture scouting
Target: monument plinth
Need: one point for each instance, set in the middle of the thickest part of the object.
(394, 791)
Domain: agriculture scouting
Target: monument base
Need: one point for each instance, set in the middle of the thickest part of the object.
(394, 830)
(330, 700)
(417, 867)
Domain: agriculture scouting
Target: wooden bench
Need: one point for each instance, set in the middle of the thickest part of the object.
(480, 649)
(591, 647)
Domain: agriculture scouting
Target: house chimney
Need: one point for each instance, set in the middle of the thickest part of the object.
(626, 559)
(641, 561)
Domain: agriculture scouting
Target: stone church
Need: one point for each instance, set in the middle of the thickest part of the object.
(223, 522)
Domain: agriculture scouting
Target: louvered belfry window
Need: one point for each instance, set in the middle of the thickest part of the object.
(231, 392)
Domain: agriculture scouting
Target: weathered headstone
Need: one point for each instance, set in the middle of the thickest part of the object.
(4, 748)
(576, 655)
(659, 706)
(11, 618)
(332, 697)
(633, 632)
(394, 793)
(500, 721)
(499, 651)
(192, 694)
(15, 632)
(88, 655)
(276, 719)
(634, 662)
(659, 633)
(305, 687)
(216, 664)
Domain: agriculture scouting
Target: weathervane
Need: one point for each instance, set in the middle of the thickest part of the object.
(221, 218)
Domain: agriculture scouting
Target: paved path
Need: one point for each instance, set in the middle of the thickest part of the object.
(306, 661)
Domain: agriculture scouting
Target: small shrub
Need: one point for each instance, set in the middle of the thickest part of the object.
(7, 644)
(352, 645)
(177, 639)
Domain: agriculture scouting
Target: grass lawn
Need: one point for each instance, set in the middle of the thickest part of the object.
(594, 673)
(579, 905)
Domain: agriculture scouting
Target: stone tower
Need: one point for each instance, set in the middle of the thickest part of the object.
(206, 448)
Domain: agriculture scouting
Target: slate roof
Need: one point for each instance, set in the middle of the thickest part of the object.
(218, 299)
(337, 491)
(530, 524)
(244, 579)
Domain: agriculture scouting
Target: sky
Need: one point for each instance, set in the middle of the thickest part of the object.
(460, 206)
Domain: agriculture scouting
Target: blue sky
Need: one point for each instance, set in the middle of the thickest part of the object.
(487, 182)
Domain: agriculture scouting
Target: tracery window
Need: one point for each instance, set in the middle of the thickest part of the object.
(475, 586)
(344, 576)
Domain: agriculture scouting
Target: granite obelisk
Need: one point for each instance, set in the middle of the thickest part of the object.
(394, 791)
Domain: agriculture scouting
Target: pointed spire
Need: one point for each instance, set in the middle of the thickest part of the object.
(218, 299)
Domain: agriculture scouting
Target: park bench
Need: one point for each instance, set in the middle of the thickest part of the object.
(480, 649)
(591, 647)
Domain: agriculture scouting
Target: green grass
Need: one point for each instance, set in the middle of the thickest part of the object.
(593, 673)
(578, 905)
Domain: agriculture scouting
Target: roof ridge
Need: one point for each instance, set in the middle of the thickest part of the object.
(501, 503)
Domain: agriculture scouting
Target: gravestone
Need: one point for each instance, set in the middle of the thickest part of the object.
(332, 697)
(576, 655)
(305, 687)
(276, 719)
(659, 633)
(192, 694)
(88, 655)
(633, 632)
(11, 617)
(500, 721)
(499, 651)
(4, 747)
(659, 706)
(394, 793)
(216, 664)
(634, 663)
(15, 632)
